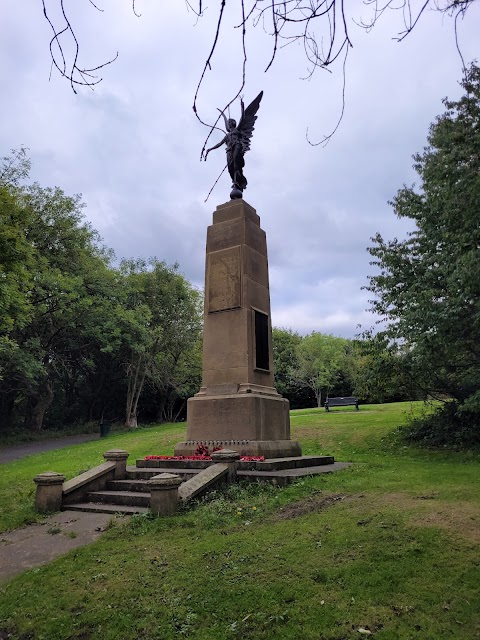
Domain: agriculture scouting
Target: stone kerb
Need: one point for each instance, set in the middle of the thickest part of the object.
(164, 493)
(231, 459)
(48, 496)
(119, 457)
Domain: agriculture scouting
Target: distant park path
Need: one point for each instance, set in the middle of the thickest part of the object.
(7, 454)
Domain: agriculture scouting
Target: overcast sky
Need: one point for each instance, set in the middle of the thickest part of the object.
(132, 146)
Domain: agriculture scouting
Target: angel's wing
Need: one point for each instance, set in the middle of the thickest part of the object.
(247, 122)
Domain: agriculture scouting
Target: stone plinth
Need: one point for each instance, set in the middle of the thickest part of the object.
(164, 493)
(119, 456)
(237, 401)
(229, 457)
(48, 495)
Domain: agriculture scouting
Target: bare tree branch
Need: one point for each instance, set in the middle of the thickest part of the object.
(320, 26)
(215, 183)
(326, 139)
(65, 36)
(138, 15)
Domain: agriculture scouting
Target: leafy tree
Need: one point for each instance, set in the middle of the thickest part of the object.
(52, 258)
(321, 360)
(16, 260)
(15, 168)
(166, 322)
(285, 343)
(381, 371)
(284, 346)
(428, 288)
(16, 253)
(78, 338)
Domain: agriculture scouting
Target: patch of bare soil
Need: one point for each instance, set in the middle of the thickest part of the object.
(461, 518)
(312, 504)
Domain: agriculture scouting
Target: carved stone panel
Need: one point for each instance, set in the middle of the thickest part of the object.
(224, 280)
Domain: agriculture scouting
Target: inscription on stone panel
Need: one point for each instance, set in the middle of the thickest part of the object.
(224, 280)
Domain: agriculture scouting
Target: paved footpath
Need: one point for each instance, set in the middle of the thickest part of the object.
(7, 454)
(40, 543)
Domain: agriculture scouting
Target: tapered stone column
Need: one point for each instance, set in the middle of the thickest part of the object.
(237, 406)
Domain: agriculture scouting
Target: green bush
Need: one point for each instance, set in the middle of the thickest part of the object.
(451, 425)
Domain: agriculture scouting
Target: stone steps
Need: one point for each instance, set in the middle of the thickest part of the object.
(128, 485)
(132, 498)
(145, 473)
(168, 465)
(132, 494)
(104, 508)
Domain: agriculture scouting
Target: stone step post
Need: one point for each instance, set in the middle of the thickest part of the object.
(119, 456)
(230, 458)
(48, 496)
(164, 493)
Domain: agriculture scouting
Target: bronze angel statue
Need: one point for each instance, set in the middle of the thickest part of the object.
(237, 141)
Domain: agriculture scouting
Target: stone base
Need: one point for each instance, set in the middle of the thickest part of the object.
(267, 448)
(239, 416)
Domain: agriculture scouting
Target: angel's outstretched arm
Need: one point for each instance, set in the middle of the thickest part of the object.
(215, 147)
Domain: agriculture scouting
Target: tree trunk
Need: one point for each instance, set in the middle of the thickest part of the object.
(319, 398)
(134, 390)
(160, 411)
(131, 421)
(182, 405)
(44, 400)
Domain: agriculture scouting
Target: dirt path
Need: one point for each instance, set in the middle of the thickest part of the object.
(7, 454)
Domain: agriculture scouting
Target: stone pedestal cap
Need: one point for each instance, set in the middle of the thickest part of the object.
(116, 454)
(49, 478)
(225, 455)
(164, 481)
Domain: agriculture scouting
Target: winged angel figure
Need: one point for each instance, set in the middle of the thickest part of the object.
(237, 141)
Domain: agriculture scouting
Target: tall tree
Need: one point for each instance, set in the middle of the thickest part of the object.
(79, 338)
(381, 370)
(63, 258)
(321, 360)
(285, 343)
(284, 346)
(166, 323)
(428, 288)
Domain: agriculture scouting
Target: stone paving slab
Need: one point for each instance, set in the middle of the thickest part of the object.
(33, 545)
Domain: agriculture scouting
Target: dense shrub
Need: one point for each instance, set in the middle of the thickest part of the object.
(449, 426)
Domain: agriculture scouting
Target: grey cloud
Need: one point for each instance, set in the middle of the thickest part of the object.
(132, 146)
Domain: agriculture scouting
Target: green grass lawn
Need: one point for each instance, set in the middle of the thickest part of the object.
(388, 548)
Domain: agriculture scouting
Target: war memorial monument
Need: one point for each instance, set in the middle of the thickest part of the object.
(238, 406)
(238, 426)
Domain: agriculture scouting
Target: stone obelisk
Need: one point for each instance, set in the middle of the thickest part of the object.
(237, 406)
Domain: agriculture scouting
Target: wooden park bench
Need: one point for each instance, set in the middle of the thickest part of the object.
(341, 402)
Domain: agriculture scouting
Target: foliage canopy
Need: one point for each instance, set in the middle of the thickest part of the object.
(81, 339)
(428, 288)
